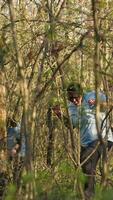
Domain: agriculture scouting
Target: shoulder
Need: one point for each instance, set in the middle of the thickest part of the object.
(17, 128)
(92, 94)
(102, 96)
(88, 95)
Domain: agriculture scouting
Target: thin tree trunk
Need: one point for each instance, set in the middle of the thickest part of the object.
(97, 40)
(22, 85)
(3, 149)
(50, 146)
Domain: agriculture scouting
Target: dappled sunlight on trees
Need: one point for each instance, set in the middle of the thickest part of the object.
(45, 44)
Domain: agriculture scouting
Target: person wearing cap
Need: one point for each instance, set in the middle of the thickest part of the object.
(81, 109)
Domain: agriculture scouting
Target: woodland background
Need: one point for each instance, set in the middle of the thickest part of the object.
(45, 44)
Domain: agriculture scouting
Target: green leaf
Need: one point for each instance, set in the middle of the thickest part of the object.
(11, 190)
(28, 178)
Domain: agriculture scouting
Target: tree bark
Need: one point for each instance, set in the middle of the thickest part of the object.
(2, 124)
(3, 149)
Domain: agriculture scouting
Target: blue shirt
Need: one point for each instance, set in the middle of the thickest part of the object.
(13, 134)
(85, 116)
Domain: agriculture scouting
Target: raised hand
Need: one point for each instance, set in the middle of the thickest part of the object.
(56, 110)
(91, 102)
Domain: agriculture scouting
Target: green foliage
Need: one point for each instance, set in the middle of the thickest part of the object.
(59, 184)
(62, 192)
(103, 194)
(28, 178)
(64, 189)
(50, 31)
(81, 177)
(56, 186)
(43, 182)
(38, 27)
(11, 192)
(107, 194)
(47, 73)
(55, 100)
(98, 192)
(65, 169)
(102, 4)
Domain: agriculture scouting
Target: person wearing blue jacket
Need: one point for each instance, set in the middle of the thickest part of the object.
(82, 111)
(16, 148)
(13, 138)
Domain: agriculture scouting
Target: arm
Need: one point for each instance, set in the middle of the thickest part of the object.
(92, 102)
(74, 116)
(104, 106)
(56, 109)
(16, 147)
(15, 150)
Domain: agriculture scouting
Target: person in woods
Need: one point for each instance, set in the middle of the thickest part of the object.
(13, 138)
(93, 134)
(15, 147)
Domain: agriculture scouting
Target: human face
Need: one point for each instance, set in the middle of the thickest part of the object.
(74, 97)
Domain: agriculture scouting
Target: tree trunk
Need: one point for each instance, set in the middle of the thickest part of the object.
(2, 124)
(3, 151)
